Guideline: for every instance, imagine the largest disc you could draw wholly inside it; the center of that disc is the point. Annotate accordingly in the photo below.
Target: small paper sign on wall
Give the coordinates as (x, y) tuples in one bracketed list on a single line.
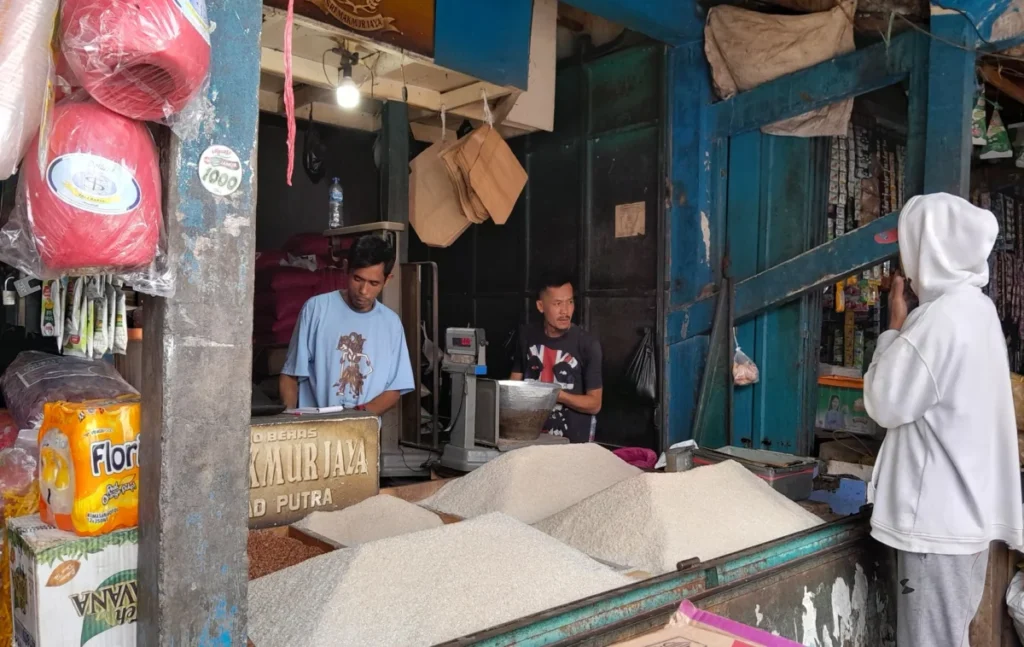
[(630, 219)]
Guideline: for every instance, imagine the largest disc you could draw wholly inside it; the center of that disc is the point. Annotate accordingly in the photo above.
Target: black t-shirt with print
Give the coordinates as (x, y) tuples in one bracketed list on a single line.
[(573, 361)]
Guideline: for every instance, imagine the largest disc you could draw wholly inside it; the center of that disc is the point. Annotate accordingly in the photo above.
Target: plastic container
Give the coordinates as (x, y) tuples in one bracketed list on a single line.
[(789, 475), (336, 206)]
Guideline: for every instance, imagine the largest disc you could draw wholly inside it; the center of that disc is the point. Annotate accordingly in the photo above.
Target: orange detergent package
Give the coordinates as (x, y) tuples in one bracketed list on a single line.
[(89, 465)]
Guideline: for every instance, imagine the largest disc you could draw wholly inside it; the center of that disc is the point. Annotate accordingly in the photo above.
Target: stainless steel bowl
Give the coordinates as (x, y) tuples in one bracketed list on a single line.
[(524, 408)]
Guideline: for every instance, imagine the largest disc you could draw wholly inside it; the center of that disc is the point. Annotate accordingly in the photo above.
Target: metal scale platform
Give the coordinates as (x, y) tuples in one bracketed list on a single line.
[(492, 416)]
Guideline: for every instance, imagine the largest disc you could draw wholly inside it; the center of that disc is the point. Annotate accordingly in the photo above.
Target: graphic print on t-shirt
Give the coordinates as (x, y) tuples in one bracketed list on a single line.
[(353, 360), (558, 367)]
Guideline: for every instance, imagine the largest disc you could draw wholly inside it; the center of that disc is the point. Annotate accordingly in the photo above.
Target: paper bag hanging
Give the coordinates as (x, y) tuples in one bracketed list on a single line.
[(497, 178), (434, 208)]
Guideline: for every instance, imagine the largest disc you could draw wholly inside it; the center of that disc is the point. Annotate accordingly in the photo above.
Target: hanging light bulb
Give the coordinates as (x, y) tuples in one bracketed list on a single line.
[(347, 92)]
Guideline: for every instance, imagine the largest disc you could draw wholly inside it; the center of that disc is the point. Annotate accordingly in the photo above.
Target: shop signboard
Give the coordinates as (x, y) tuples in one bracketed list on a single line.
[(405, 24), (302, 464)]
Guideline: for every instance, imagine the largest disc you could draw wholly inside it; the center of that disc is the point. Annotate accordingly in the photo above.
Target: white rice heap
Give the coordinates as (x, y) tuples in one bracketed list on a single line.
[(654, 521), (369, 520), (533, 482), (422, 588)]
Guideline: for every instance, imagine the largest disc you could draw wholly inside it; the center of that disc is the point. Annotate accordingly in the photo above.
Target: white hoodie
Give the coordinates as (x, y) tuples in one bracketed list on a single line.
[(947, 480)]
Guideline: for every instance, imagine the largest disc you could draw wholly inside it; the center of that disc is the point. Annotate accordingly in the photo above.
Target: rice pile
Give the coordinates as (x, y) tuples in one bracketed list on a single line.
[(422, 588), (375, 518), (532, 483), (654, 521)]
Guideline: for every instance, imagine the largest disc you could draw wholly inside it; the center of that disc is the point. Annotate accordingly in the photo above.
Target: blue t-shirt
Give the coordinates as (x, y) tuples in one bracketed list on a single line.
[(347, 358)]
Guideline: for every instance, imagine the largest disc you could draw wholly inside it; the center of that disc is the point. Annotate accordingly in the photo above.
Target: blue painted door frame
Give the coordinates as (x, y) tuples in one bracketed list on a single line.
[(719, 203)]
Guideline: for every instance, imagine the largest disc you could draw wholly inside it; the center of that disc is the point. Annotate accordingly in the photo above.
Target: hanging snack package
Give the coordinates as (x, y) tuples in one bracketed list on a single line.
[(99, 328), (89, 466), (997, 143), (744, 370), (148, 61), (74, 321), (121, 325), (49, 311), (94, 206), (978, 128)]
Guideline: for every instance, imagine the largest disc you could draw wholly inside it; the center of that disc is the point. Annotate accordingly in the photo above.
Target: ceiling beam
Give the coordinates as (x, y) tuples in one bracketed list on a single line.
[(313, 73), (472, 93), (270, 101)]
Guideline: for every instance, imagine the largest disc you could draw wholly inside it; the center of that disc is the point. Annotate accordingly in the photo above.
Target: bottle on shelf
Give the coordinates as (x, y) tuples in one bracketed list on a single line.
[(336, 205)]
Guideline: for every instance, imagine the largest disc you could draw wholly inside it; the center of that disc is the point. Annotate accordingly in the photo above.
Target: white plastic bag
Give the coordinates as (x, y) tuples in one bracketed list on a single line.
[(744, 370), (26, 32), (1015, 603)]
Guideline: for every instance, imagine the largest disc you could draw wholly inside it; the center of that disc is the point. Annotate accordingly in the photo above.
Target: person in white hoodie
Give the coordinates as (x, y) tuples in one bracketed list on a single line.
[(946, 482)]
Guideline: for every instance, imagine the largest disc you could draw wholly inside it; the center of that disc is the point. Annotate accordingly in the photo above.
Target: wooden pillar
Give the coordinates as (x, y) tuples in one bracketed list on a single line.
[(198, 353)]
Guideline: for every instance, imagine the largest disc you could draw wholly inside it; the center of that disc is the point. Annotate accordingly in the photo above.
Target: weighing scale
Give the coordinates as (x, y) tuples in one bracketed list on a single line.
[(465, 360), (483, 408)]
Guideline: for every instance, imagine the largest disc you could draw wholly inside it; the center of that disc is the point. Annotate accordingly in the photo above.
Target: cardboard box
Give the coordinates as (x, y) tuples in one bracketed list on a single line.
[(70, 591), (693, 627)]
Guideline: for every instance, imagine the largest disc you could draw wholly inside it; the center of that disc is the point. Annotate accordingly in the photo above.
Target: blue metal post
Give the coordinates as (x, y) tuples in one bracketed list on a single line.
[(951, 90), (198, 354)]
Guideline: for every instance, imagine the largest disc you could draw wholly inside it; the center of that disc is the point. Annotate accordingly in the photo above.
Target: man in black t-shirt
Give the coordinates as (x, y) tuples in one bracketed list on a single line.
[(560, 352)]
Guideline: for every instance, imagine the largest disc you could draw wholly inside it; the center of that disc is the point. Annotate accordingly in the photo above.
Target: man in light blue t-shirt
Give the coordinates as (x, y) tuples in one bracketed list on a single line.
[(348, 349)]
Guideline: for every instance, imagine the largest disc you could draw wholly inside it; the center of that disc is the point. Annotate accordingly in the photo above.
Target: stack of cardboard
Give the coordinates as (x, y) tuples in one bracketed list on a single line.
[(454, 185)]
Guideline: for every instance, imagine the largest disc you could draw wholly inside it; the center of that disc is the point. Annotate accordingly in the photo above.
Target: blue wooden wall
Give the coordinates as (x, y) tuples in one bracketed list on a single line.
[(776, 204)]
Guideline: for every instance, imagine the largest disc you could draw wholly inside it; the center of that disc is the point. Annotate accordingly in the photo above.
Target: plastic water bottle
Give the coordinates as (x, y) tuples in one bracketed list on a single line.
[(336, 205)]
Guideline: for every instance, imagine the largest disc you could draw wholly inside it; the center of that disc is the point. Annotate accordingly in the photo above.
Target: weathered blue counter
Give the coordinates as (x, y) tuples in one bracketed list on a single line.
[(834, 582)]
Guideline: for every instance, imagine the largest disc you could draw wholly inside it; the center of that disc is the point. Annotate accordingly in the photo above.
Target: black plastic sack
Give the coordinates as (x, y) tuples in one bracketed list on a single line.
[(643, 369)]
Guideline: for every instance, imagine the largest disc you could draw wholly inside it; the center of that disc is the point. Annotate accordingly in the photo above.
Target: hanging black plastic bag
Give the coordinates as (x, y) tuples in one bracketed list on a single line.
[(643, 371)]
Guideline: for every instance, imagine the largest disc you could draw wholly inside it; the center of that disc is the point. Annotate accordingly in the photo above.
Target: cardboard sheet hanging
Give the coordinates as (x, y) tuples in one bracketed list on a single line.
[(435, 210)]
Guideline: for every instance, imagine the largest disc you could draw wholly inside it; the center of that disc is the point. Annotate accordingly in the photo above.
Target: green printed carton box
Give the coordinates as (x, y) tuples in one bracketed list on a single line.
[(71, 591)]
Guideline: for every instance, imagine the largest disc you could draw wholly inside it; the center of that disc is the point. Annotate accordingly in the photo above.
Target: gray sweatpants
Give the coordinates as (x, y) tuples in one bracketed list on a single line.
[(937, 598)]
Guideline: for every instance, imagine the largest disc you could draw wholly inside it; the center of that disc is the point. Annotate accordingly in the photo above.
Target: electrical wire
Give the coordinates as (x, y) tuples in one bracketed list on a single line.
[(946, 41)]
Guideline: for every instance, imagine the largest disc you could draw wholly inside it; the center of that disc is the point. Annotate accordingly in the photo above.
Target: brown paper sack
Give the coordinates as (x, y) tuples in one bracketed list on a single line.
[(747, 48), (434, 209), (497, 177)]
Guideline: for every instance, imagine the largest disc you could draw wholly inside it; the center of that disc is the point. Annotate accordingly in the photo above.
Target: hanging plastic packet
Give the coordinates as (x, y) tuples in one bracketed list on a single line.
[(79, 327), (88, 329), (121, 325), (48, 310), (99, 327), (997, 145), (95, 287), (72, 308), (59, 300), (744, 370), (978, 128), (111, 308)]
